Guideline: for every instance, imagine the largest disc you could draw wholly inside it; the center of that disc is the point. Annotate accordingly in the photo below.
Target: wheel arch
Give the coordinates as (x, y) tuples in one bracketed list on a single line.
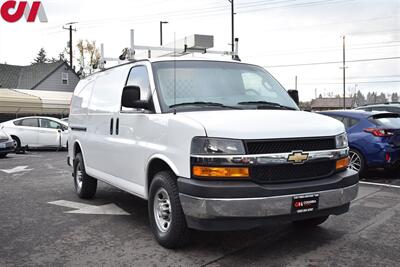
[(77, 148), (156, 164)]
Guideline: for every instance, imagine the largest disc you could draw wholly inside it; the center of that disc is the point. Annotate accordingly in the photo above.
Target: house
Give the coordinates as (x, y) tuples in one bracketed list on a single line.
[(330, 103), (57, 76)]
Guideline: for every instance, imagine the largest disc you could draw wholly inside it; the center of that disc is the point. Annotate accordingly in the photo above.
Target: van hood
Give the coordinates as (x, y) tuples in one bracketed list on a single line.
[(265, 124)]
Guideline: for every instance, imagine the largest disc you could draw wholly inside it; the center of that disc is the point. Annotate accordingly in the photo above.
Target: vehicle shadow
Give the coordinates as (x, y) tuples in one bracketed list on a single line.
[(263, 242), (380, 175)]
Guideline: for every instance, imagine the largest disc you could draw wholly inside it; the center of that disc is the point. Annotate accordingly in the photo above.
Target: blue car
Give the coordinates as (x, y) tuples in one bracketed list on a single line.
[(374, 138)]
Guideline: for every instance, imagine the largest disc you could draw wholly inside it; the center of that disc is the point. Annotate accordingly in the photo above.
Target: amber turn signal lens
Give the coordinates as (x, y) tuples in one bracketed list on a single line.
[(202, 171), (342, 163)]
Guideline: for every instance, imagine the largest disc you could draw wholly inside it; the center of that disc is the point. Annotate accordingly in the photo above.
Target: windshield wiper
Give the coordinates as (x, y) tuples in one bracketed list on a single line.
[(261, 104), (201, 103)]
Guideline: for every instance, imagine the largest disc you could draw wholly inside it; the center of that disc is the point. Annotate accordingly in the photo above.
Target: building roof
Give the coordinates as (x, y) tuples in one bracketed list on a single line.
[(331, 102), (27, 77), (19, 101)]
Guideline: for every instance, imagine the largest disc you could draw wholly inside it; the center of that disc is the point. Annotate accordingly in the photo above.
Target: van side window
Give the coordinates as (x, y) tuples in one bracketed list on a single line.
[(138, 76)]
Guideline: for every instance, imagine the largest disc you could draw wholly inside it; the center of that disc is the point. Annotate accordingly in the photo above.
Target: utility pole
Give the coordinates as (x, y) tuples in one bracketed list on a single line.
[(232, 27), (344, 72), (295, 83), (161, 31), (70, 29)]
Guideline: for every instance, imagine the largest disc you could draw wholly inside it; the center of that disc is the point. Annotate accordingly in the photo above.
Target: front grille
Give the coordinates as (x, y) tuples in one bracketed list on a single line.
[(282, 173), (289, 145)]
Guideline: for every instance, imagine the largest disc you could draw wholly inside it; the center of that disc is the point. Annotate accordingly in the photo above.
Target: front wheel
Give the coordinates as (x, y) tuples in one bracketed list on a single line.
[(167, 219), (85, 186), (3, 155), (311, 222), (17, 143)]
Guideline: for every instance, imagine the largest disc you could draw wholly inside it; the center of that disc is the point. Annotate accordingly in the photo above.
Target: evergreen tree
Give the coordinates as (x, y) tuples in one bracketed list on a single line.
[(41, 57), (360, 98)]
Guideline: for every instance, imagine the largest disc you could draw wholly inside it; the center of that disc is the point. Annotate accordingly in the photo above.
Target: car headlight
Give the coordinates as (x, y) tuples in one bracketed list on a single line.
[(217, 146), (341, 141)]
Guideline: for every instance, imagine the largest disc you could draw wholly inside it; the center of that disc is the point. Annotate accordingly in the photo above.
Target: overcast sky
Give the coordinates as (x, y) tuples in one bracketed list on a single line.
[(272, 33)]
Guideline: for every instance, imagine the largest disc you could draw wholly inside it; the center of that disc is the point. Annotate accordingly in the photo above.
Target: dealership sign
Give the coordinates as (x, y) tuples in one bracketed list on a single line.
[(13, 11)]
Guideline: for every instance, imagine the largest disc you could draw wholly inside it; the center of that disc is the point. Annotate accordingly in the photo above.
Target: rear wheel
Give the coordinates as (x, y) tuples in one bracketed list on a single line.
[(357, 162), (167, 219), (85, 186), (3, 155), (311, 222)]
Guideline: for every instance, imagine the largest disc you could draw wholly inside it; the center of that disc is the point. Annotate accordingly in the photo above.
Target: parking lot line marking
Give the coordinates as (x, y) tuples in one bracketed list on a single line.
[(16, 169), (107, 209), (380, 184)]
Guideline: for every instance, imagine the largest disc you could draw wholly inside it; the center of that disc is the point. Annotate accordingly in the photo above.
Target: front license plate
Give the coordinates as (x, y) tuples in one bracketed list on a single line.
[(2, 145), (305, 203)]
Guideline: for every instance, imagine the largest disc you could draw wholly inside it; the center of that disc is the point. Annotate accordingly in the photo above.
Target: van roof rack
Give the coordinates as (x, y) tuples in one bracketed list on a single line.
[(196, 43)]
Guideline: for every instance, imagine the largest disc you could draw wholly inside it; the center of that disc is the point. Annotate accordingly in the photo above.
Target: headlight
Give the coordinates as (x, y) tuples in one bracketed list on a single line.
[(218, 146), (341, 141)]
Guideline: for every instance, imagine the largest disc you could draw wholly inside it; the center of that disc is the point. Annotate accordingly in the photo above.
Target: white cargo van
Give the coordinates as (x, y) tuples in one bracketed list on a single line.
[(212, 145)]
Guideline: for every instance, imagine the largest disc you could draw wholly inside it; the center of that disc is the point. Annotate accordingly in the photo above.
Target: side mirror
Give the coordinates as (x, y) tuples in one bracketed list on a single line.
[(294, 94), (131, 98)]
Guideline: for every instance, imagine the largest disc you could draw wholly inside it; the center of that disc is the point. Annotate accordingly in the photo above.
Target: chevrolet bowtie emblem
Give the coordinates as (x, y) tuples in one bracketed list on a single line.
[(297, 157)]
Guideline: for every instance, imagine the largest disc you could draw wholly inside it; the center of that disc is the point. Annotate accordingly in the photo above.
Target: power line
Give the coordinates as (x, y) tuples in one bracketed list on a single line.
[(354, 82), (317, 50), (331, 62), (212, 11)]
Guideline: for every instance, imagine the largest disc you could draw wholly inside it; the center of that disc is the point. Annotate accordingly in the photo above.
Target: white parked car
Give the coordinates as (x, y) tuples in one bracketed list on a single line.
[(7, 145), (212, 145), (35, 132)]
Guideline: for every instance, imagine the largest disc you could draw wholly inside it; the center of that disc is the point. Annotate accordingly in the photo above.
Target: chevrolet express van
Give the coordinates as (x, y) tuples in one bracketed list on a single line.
[(211, 144)]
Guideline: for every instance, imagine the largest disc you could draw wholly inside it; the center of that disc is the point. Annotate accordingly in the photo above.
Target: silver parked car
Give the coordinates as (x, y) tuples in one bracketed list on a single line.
[(7, 144)]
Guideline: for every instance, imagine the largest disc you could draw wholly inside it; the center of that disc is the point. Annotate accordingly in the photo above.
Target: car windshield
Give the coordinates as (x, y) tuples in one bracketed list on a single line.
[(203, 85)]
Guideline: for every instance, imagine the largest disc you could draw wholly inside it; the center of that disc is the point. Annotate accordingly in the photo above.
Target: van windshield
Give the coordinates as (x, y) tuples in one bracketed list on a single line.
[(205, 85)]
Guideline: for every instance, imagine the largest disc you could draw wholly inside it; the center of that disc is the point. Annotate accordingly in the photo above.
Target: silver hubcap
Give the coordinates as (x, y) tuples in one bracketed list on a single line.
[(162, 210), (355, 161), (78, 177)]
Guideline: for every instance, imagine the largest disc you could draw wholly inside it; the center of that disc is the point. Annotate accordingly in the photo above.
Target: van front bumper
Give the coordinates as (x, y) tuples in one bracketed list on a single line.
[(223, 205)]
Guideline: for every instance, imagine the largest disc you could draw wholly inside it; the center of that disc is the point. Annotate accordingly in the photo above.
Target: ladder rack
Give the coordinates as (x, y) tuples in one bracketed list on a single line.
[(196, 43)]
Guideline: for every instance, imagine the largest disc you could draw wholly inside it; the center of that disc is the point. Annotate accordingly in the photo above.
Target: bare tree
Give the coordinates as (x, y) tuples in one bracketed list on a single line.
[(395, 97), (89, 56)]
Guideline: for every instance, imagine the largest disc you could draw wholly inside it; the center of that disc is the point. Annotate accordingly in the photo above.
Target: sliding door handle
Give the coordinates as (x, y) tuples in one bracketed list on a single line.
[(112, 126), (117, 127)]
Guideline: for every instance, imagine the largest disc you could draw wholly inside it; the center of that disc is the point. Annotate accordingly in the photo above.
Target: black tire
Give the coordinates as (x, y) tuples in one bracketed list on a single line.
[(85, 186), (3, 155), (177, 233), (310, 222), (357, 153), (17, 143)]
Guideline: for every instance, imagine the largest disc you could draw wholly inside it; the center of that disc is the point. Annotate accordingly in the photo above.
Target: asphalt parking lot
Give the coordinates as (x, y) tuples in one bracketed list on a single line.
[(43, 222)]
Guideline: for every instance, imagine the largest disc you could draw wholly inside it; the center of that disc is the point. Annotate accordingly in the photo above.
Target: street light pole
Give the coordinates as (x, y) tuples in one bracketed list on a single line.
[(232, 26), (161, 31), (344, 73)]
